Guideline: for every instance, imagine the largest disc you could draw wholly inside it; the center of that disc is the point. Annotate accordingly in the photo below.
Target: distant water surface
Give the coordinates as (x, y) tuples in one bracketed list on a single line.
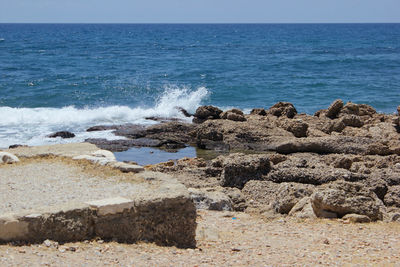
[(71, 76)]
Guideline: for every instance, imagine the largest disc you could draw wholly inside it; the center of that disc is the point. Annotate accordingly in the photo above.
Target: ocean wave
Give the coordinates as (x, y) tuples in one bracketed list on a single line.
[(30, 126)]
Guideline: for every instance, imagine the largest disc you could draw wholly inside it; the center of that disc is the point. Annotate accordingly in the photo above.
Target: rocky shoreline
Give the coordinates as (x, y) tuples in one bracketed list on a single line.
[(341, 162)]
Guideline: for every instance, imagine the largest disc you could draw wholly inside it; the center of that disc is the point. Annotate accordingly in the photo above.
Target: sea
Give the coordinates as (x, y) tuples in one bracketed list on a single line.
[(57, 77)]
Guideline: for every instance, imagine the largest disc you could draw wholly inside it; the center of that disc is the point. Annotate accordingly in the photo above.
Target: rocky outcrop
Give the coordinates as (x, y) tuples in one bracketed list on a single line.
[(237, 169), (233, 115), (204, 113), (343, 198), (210, 199), (334, 109), (392, 197), (283, 109)]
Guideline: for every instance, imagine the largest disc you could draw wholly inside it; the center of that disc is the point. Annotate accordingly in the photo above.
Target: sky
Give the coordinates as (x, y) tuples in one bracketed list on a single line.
[(199, 11)]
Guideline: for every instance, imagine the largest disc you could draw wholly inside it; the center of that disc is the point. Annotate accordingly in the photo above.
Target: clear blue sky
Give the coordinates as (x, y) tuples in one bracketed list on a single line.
[(199, 11)]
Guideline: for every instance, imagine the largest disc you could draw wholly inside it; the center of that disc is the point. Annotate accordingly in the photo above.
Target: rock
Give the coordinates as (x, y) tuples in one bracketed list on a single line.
[(104, 154), (233, 115), (237, 198), (6, 157), (343, 198), (210, 199), (62, 134), (334, 109), (343, 163), (123, 144), (96, 160), (103, 128), (258, 111), (126, 167), (204, 113), (332, 144), (352, 120), (280, 198), (356, 218), (288, 194), (392, 197), (17, 145), (184, 112), (303, 209), (297, 127), (283, 109), (309, 173), (398, 110), (357, 109), (239, 168)]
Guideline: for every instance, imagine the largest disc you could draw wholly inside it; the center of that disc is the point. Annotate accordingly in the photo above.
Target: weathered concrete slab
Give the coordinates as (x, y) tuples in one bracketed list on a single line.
[(65, 150)]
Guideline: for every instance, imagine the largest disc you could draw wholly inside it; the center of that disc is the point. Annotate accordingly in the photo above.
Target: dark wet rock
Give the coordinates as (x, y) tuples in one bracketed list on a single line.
[(343, 198), (392, 197), (103, 128), (204, 113), (398, 110), (258, 111), (334, 109), (62, 134), (123, 144), (239, 168), (233, 115), (17, 145), (131, 131), (162, 119), (184, 112), (283, 109)]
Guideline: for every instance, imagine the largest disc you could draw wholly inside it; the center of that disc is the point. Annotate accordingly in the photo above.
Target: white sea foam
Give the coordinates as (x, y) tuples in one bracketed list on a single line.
[(30, 126)]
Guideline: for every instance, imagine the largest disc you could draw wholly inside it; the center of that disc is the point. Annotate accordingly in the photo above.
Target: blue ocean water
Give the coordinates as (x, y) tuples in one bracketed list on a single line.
[(70, 76)]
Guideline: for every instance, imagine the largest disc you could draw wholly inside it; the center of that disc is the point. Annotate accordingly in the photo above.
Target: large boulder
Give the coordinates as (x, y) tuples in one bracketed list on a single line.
[(343, 198), (288, 194), (334, 109), (204, 113), (239, 168), (283, 109)]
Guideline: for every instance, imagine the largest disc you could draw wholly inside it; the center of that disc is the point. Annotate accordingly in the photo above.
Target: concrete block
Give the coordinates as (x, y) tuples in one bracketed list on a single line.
[(126, 167), (111, 205), (12, 229)]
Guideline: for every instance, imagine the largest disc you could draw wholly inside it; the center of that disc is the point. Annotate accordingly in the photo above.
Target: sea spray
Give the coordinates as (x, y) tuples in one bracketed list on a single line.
[(31, 126)]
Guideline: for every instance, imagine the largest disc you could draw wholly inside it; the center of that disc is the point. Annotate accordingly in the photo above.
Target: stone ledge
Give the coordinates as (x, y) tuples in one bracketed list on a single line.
[(165, 221)]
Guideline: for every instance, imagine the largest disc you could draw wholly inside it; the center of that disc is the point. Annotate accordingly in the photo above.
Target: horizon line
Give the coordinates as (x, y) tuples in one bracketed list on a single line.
[(200, 22)]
